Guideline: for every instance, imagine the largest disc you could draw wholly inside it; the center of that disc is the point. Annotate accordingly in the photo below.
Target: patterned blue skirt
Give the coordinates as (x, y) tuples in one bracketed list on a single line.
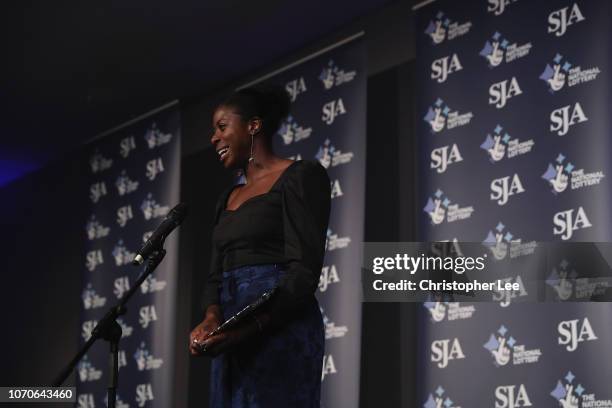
[(277, 369)]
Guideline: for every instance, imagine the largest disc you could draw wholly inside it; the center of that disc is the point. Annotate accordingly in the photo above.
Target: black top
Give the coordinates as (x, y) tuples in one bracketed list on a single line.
[(287, 225)]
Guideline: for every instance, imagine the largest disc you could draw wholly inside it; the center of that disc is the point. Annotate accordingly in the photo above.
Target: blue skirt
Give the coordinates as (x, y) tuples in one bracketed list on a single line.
[(277, 369)]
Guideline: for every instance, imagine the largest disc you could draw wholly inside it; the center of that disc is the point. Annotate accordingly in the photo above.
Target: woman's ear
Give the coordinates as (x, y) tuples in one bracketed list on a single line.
[(255, 125)]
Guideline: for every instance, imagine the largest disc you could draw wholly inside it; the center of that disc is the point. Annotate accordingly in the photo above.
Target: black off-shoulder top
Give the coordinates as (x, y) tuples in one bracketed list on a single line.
[(287, 225)]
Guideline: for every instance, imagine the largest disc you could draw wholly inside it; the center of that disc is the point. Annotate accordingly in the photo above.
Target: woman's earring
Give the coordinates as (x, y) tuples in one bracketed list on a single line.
[(252, 157)]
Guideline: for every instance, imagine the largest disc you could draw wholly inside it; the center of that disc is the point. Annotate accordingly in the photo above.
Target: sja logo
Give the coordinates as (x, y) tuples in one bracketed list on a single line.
[(295, 87), (560, 20), (121, 360), (124, 214), (497, 7), (118, 402), (87, 327), (443, 351), (505, 187), (93, 259), (500, 92), (97, 191), (511, 396), (566, 222), (144, 393), (443, 67), (86, 401), (438, 399), (153, 168), (329, 275), (562, 119), (126, 145), (573, 332), (291, 132), (121, 286), (147, 315), (329, 367), (333, 109), (443, 156), (504, 297), (336, 190)]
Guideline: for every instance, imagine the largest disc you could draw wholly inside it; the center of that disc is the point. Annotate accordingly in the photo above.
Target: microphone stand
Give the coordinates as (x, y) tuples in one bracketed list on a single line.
[(108, 329)]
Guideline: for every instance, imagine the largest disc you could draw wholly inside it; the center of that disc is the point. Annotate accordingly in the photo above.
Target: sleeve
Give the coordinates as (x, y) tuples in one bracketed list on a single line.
[(306, 206), (210, 295)]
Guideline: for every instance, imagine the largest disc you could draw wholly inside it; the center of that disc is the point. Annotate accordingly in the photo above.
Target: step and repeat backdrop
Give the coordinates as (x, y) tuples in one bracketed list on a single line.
[(514, 146), (134, 178), (327, 123)]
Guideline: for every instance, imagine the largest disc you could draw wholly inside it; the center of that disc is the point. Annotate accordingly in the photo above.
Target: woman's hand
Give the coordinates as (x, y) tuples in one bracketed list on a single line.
[(201, 331), (224, 341)]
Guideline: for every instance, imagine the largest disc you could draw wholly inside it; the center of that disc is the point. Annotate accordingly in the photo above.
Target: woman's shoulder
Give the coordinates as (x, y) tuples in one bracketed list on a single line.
[(307, 168)]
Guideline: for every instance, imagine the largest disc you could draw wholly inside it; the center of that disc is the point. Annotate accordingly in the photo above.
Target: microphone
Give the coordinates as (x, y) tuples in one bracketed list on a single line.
[(173, 219)]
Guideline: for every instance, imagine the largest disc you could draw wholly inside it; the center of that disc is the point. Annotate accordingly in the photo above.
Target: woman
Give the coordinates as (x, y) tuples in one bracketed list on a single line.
[(268, 232)]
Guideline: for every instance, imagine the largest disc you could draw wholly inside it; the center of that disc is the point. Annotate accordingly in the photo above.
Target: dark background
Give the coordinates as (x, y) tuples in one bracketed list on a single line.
[(40, 295)]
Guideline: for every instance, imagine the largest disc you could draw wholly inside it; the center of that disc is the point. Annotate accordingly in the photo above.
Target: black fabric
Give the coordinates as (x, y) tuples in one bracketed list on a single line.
[(287, 225)]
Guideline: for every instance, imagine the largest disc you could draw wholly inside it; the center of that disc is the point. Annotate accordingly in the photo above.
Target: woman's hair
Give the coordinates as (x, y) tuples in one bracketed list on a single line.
[(269, 103)]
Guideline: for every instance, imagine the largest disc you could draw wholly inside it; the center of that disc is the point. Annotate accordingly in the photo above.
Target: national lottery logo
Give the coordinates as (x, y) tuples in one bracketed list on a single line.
[(87, 371), (333, 241), (501, 242), (86, 401), (145, 360), (499, 49), (331, 330), (441, 116), (122, 255), (95, 229), (291, 132), (560, 72), (332, 75), (562, 174), (439, 311), (295, 87), (439, 399), (570, 393), (440, 208), (329, 156), (155, 137), (500, 144), (151, 284), (124, 184), (504, 349), (126, 330), (443, 28), (151, 209), (99, 163), (91, 300), (563, 279)]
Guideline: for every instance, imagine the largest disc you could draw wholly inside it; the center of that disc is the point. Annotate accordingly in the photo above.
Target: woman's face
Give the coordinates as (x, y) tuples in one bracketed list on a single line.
[(230, 139)]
